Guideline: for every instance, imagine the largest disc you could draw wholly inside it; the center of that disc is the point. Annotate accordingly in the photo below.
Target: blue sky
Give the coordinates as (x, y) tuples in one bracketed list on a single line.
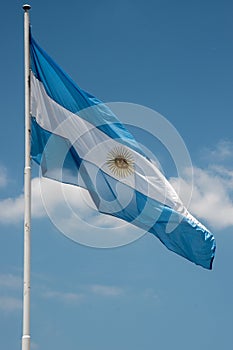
[(173, 57)]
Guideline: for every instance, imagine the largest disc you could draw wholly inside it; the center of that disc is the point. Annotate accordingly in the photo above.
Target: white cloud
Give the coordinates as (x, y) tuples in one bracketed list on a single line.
[(53, 195), (109, 291), (10, 281), (211, 200), (10, 304), (12, 209), (221, 152), (70, 207), (67, 297), (3, 176), (212, 194), (75, 298)]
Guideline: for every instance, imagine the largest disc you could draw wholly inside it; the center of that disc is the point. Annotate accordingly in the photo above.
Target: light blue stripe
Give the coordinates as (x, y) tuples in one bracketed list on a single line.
[(62, 89), (187, 239)]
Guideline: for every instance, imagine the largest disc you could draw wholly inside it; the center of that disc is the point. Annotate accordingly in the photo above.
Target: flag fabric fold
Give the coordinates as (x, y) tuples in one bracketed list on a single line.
[(77, 139)]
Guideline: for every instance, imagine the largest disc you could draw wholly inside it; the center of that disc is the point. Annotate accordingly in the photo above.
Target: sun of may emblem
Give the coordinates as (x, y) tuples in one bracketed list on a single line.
[(120, 161)]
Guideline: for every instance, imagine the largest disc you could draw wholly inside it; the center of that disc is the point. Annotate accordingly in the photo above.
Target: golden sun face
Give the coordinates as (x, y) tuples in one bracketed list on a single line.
[(120, 161)]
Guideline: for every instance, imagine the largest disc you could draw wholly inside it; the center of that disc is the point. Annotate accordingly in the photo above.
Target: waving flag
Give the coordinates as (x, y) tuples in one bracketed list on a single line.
[(92, 149)]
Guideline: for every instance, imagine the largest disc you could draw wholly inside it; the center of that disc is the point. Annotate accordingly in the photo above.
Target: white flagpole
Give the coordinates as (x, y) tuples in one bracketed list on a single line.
[(27, 187)]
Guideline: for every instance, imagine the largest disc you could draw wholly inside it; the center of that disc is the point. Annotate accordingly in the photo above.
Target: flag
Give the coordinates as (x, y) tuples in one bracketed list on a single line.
[(89, 147)]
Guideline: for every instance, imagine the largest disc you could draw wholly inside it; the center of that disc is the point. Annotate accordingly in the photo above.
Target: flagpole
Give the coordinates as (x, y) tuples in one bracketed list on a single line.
[(27, 186)]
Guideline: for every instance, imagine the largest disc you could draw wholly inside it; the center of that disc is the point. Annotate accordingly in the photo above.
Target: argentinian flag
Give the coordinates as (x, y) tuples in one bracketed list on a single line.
[(77, 139)]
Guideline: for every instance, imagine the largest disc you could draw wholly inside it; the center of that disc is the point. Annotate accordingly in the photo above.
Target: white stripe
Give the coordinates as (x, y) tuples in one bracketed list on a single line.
[(94, 146)]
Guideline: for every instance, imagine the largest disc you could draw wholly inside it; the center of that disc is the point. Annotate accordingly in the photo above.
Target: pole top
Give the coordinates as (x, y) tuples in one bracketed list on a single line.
[(26, 7)]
